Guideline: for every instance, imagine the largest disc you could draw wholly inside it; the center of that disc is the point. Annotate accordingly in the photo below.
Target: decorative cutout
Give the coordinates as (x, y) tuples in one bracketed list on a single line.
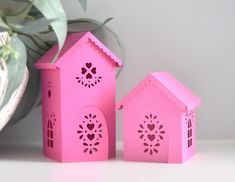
[(89, 77), (50, 119), (90, 132), (151, 132), (49, 89), (189, 118)]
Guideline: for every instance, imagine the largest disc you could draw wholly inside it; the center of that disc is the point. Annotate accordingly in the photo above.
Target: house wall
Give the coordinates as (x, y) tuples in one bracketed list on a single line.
[(76, 96), (151, 96), (51, 111)]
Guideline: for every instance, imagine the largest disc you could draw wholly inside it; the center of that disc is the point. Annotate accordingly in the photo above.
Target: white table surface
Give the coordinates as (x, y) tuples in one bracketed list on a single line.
[(214, 161)]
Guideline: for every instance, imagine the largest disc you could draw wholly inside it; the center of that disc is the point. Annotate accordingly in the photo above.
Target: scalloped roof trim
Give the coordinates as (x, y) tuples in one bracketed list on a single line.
[(169, 87), (73, 41)]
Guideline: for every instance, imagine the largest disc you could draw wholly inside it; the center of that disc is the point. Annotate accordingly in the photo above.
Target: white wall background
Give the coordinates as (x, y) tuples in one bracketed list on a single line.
[(192, 39)]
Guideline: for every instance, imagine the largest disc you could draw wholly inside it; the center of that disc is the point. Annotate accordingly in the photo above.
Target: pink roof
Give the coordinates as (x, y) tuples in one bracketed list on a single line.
[(73, 42), (172, 88)]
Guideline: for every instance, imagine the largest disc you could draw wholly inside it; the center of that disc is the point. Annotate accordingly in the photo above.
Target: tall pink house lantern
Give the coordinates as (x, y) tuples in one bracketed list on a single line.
[(159, 120), (78, 100)]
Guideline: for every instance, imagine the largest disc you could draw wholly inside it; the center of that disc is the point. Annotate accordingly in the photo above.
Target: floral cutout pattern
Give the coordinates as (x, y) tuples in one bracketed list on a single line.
[(89, 77), (151, 133), (189, 118), (50, 122), (90, 132)]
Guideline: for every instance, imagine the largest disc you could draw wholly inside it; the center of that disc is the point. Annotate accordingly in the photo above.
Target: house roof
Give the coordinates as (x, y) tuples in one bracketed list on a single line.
[(180, 95), (73, 42)]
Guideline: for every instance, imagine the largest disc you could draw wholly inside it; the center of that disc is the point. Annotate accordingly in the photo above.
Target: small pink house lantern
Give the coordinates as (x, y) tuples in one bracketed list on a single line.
[(78, 100), (159, 120)]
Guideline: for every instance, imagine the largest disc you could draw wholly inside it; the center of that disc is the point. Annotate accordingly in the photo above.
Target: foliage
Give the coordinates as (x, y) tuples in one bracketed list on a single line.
[(27, 22), (33, 19), (32, 26), (16, 68)]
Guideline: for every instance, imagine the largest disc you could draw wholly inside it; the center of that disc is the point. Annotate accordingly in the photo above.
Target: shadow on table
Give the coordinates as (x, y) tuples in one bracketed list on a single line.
[(30, 153), (119, 154), (27, 153)]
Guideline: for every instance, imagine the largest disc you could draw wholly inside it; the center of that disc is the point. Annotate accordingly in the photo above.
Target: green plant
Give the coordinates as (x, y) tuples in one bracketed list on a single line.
[(26, 25), (32, 27)]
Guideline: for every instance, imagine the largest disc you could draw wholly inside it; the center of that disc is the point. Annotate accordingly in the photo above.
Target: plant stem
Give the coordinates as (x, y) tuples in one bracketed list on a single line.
[(84, 20)]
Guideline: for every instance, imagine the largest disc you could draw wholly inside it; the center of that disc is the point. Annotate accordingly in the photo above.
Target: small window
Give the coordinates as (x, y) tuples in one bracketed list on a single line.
[(50, 129), (50, 133), (189, 119)]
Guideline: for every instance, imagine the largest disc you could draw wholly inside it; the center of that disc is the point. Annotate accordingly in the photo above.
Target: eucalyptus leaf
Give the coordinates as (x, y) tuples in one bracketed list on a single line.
[(9, 108), (96, 25), (34, 12), (20, 15), (83, 4), (34, 27), (53, 10), (3, 25), (9, 7), (31, 94), (15, 12), (16, 68), (103, 24)]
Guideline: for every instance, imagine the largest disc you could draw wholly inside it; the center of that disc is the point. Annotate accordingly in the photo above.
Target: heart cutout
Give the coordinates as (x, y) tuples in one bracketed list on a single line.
[(151, 127), (90, 126), (89, 76), (90, 136), (49, 93), (151, 137), (84, 70), (88, 65), (93, 70)]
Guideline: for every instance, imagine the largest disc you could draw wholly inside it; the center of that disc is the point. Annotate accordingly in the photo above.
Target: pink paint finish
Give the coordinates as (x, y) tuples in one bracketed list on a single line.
[(159, 120), (78, 100)]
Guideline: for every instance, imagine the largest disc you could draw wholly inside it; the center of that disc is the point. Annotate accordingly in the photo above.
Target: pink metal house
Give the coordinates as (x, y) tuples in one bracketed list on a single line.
[(159, 120), (78, 100)]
